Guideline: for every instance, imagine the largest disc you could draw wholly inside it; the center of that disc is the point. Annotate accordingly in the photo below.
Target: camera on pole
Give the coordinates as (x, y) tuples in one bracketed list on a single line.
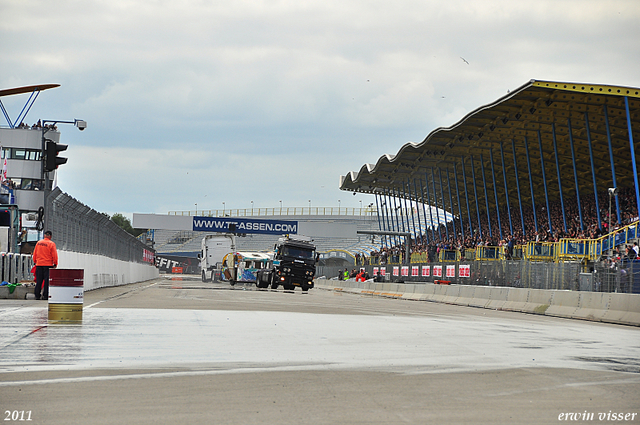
[(52, 160)]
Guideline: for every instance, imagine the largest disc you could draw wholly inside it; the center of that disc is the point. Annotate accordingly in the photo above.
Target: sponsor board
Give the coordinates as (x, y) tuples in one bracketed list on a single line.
[(244, 225), (451, 271)]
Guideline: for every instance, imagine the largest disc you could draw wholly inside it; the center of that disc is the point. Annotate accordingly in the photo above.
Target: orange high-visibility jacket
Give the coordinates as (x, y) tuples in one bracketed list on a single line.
[(45, 253)]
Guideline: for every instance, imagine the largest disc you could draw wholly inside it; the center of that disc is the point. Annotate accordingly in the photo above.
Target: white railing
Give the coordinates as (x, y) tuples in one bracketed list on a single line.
[(280, 211)]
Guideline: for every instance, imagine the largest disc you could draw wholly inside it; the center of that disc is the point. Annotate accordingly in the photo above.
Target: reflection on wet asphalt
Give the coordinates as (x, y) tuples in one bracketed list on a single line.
[(150, 338)]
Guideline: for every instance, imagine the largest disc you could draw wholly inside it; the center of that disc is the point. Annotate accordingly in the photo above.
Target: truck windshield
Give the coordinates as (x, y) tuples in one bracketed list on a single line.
[(291, 251)]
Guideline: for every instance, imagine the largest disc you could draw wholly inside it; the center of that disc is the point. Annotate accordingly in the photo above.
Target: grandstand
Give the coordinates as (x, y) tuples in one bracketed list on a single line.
[(535, 164)]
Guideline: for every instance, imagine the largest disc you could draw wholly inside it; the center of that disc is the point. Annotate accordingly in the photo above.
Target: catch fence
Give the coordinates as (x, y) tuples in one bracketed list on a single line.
[(622, 277), (78, 228)]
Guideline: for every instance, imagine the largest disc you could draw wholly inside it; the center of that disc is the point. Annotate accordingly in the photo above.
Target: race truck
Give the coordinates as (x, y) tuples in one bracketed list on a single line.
[(243, 266), (294, 264)]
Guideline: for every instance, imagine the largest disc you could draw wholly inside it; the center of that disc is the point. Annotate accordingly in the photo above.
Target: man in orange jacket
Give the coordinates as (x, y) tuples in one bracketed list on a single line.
[(45, 257)]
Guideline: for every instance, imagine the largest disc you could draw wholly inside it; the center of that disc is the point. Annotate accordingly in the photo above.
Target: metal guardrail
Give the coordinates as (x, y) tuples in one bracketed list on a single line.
[(599, 247), (15, 268), (541, 251)]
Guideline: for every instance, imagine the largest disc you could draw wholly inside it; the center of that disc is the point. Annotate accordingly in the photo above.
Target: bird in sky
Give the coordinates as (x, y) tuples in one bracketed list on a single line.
[(465, 61)]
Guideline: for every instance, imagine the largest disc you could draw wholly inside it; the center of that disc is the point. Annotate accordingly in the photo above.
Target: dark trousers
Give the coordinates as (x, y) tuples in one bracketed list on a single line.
[(42, 282)]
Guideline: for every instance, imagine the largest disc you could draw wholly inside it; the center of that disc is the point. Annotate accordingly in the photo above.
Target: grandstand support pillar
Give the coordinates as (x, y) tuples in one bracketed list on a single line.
[(435, 198), (403, 207), (410, 210), (426, 185), (506, 189), (495, 193), (544, 180), (575, 173), (398, 207), (396, 194), (415, 192), (533, 199), (466, 194), (455, 175), (388, 212), (384, 199), (475, 193), (446, 228), (424, 212), (555, 151), (633, 154), (613, 168), (453, 217), (593, 168), (380, 223), (515, 167), (486, 197), (394, 212)]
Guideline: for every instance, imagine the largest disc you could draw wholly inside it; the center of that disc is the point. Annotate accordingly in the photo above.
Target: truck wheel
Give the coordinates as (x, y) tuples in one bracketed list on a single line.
[(305, 288), (274, 282), (260, 280)]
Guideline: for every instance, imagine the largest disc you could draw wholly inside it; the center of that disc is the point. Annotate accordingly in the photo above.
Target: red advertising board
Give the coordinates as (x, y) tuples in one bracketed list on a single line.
[(426, 271)]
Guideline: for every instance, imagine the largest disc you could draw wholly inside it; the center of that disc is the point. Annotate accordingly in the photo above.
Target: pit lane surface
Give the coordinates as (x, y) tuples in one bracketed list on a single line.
[(183, 351)]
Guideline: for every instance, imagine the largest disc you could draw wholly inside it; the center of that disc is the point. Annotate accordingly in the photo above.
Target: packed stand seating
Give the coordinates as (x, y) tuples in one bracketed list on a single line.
[(431, 244)]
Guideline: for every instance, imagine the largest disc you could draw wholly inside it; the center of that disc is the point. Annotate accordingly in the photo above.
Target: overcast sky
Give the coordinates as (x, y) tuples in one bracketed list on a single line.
[(211, 102)]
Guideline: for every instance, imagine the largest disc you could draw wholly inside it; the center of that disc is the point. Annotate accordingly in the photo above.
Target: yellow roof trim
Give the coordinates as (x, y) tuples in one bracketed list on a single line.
[(590, 88)]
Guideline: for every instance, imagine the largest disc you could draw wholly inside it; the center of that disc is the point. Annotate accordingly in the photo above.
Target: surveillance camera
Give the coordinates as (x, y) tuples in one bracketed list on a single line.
[(81, 124)]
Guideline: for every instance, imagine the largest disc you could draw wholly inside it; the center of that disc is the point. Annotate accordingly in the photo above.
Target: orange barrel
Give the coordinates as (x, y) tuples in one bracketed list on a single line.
[(66, 295)]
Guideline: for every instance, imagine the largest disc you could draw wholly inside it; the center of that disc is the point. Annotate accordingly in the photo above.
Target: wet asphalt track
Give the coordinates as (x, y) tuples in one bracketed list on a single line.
[(183, 351)]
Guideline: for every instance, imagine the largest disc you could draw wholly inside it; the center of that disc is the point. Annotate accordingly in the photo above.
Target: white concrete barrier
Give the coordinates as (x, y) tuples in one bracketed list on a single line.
[(564, 304), (538, 301), (465, 295), (596, 306), (497, 297), (481, 297), (439, 293), (516, 299), (592, 305), (100, 271), (623, 308)]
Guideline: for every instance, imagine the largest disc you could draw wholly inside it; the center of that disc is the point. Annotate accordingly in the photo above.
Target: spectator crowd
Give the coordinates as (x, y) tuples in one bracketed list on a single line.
[(445, 237)]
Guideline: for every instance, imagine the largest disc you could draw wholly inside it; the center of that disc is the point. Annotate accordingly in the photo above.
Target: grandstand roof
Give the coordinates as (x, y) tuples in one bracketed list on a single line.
[(514, 122), (27, 89)]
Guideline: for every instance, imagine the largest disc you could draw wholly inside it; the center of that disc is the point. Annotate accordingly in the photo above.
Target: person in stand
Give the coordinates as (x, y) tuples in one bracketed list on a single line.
[(45, 257)]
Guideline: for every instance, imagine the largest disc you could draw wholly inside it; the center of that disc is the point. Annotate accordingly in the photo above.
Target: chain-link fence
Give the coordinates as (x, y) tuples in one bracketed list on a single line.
[(623, 277), (78, 228)]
